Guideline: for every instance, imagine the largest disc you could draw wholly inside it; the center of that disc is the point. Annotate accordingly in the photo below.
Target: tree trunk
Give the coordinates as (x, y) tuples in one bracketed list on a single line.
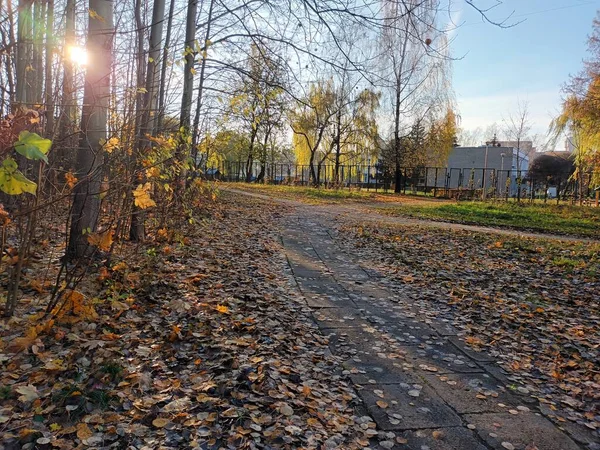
[(48, 68), (68, 111), (96, 95), (188, 75), (398, 173), (313, 173), (163, 72), (201, 81), (250, 160), (338, 146), (39, 11), (8, 61), (140, 69), (24, 53), (263, 159), (137, 232), (186, 96)]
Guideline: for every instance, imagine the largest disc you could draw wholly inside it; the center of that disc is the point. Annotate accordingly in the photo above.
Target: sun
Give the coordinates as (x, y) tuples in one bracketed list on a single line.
[(78, 55)]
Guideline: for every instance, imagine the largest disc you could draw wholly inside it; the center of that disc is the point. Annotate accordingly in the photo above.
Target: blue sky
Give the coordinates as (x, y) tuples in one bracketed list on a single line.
[(529, 62)]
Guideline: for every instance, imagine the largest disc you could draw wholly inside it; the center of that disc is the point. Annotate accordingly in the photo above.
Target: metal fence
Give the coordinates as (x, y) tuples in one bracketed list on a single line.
[(463, 183)]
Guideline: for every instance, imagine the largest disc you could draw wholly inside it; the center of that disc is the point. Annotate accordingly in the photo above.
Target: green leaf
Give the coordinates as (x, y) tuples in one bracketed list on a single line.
[(14, 182), (33, 146)]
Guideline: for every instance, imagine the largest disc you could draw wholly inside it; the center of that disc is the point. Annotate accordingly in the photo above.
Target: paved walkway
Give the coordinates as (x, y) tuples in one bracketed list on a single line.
[(421, 385)]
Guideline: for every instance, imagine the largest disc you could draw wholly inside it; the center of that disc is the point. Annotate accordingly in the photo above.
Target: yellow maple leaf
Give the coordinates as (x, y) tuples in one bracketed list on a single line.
[(101, 240), (141, 197)]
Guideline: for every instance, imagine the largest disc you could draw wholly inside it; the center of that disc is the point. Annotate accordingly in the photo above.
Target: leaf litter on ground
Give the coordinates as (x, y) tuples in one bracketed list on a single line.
[(533, 304), (206, 346)]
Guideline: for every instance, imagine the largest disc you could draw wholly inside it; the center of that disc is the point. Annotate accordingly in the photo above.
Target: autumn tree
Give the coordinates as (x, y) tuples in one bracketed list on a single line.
[(310, 122), (580, 116), (258, 104), (442, 137)]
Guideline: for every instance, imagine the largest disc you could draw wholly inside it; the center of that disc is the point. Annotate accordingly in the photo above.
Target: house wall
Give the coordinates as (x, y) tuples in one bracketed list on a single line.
[(466, 168)]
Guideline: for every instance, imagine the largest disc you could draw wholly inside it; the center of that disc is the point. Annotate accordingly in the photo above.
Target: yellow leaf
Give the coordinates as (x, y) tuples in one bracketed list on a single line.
[(153, 172), (70, 179), (382, 404), (101, 240), (142, 198), (111, 144), (12, 181), (95, 15), (222, 309)]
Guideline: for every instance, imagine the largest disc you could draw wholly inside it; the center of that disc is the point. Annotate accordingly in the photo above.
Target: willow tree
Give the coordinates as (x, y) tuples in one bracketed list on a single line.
[(580, 116), (86, 194), (310, 122)]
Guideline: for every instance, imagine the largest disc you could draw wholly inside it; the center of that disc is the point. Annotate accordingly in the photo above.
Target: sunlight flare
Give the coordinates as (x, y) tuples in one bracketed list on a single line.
[(78, 55)]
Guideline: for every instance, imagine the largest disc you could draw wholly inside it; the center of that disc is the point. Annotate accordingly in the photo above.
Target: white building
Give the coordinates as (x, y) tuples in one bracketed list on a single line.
[(494, 167)]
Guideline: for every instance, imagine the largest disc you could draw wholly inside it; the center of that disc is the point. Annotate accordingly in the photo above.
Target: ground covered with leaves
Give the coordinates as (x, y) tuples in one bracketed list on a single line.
[(195, 342), (533, 304)]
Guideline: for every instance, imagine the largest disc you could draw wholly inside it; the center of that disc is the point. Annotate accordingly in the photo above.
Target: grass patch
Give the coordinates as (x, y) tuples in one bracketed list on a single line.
[(556, 219), (308, 194)]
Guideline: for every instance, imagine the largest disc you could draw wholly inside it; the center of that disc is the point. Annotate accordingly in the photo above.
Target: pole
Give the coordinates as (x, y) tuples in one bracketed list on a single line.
[(485, 163)]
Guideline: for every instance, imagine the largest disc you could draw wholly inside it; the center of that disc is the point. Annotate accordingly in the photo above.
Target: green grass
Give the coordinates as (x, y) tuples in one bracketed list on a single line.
[(556, 219), (308, 194)]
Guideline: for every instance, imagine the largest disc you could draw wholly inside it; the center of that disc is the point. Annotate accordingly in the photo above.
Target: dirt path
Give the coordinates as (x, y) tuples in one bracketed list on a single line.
[(370, 212)]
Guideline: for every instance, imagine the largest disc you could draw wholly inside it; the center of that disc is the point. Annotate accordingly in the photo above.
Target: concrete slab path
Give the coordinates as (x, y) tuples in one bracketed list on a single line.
[(423, 387)]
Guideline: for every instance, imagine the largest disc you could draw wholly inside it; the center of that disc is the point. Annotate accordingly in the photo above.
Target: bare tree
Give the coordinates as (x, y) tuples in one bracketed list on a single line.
[(517, 128)]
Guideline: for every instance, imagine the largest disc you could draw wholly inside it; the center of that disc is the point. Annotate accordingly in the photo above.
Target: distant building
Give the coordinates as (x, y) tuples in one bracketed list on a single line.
[(494, 167), (498, 158)]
